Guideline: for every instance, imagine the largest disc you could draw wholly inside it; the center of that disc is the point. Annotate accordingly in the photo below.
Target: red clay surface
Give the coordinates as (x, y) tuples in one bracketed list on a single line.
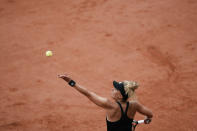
[(96, 41)]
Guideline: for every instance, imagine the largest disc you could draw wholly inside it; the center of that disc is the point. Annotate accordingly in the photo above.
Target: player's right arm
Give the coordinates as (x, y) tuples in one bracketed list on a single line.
[(144, 110)]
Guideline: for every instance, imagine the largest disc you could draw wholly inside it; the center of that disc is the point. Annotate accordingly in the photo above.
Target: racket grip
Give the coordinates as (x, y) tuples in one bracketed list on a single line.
[(140, 121)]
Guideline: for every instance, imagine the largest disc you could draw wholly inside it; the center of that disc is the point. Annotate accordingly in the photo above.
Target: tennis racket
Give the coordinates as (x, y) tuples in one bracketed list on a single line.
[(135, 123)]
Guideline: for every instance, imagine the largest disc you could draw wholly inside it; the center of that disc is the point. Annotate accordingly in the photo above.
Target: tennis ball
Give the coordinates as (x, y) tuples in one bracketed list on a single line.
[(49, 53)]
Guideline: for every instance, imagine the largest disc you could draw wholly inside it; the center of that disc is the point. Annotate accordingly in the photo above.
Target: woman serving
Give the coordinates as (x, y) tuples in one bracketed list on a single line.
[(120, 112)]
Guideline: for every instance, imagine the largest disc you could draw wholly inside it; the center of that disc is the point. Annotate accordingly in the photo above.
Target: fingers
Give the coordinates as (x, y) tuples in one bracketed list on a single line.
[(62, 76), (65, 77)]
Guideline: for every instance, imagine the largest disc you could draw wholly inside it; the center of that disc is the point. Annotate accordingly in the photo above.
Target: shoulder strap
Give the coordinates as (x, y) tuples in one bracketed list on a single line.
[(127, 108), (124, 113), (121, 108)]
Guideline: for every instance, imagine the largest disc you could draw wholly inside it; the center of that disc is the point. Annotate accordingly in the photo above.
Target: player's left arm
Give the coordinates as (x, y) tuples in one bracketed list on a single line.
[(98, 100)]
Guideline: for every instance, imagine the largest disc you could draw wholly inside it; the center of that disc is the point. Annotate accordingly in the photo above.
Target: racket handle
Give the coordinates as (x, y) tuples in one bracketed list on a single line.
[(147, 121), (140, 121)]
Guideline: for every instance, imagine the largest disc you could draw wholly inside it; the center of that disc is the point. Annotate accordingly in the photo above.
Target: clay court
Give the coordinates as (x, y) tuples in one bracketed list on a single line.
[(153, 42)]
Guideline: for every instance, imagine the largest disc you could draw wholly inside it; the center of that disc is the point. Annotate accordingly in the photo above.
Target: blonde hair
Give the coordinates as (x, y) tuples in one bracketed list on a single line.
[(130, 87)]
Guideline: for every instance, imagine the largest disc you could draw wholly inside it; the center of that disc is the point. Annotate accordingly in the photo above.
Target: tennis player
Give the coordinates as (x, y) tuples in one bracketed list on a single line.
[(121, 111)]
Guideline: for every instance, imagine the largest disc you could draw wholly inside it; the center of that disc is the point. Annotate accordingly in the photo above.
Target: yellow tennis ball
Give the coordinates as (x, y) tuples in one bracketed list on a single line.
[(49, 53)]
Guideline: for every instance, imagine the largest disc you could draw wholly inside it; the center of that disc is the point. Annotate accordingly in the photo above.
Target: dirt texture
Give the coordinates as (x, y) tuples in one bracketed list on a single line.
[(153, 42)]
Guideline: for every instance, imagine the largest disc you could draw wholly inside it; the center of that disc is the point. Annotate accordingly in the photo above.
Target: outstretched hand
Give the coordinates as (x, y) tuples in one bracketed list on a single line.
[(65, 77)]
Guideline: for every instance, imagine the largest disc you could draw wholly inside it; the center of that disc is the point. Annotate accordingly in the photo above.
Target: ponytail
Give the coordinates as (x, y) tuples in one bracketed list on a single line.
[(130, 87)]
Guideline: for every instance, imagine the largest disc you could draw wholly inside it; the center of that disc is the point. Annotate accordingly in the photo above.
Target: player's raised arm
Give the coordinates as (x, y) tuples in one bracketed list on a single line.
[(98, 100)]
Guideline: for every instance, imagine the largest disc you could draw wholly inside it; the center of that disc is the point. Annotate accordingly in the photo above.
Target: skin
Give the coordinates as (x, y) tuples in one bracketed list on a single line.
[(112, 109)]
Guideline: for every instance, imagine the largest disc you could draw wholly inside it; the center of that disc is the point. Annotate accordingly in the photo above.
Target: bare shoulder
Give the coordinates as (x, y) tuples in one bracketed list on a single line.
[(134, 104), (112, 103), (112, 106)]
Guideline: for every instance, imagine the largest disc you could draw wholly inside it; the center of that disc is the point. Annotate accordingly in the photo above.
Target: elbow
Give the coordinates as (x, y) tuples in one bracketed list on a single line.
[(150, 115)]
